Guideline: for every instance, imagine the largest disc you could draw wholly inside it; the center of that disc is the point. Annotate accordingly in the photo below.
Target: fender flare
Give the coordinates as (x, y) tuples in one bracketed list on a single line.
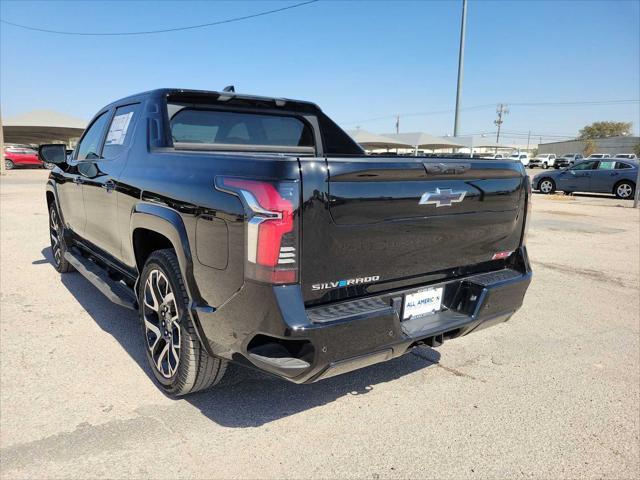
[(168, 222), (51, 188)]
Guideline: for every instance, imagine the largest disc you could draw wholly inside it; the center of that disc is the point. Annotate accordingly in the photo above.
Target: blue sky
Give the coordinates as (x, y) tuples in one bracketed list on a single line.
[(358, 60)]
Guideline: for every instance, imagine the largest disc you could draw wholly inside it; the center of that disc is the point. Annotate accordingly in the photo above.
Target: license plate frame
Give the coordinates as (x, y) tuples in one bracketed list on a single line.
[(423, 302)]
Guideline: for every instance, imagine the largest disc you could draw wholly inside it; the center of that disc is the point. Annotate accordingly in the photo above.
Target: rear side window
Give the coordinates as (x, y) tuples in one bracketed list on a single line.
[(606, 165), (622, 165), (237, 128), (120, 130)]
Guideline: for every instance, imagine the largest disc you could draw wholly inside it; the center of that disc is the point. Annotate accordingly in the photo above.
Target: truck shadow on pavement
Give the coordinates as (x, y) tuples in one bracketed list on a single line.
[(244, 398)]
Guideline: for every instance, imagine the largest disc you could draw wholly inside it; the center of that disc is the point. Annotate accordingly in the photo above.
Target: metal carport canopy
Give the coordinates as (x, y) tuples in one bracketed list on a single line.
[(424, 140), (42, 126), (372, 141)]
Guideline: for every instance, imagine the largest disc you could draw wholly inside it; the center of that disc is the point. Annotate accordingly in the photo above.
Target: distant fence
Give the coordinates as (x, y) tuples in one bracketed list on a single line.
[(610, 145)]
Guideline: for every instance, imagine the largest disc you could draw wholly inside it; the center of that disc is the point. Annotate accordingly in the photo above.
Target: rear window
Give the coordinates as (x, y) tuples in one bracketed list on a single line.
[(189, 125), (622, 165)]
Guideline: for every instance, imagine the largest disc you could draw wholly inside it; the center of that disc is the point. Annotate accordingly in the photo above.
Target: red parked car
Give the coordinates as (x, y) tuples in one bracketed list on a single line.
[(19, 156)]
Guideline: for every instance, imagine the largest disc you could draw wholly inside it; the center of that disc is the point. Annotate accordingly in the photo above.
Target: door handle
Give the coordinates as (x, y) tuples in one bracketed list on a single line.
[(78, 180), (109, 185)]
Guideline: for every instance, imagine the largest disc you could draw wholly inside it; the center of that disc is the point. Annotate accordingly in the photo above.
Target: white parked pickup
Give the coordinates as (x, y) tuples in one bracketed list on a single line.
[(544, 160)]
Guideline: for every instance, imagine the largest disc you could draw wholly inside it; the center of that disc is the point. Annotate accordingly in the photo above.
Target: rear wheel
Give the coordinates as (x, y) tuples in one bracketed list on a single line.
[(177, 359), (624, 190), (545, 165), (547, 185), (58, 245), (8, 164)]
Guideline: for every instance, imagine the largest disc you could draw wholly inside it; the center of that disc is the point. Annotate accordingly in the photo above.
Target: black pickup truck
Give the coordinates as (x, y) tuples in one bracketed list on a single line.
[(254, 230)]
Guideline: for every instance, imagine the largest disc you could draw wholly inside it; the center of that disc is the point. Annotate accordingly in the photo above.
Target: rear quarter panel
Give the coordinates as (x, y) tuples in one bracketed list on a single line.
[(214, 221)]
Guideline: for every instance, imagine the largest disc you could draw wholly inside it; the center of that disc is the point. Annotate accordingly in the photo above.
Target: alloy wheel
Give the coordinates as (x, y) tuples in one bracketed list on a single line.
[(624, 190), (161, 324), (8, 164), (55, 234), (546, 186)]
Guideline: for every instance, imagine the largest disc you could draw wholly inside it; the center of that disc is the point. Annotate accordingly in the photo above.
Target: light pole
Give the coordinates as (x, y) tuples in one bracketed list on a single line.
[(463, 28)]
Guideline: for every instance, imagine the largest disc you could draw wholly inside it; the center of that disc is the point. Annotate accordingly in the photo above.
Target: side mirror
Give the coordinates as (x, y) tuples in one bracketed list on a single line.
[(55, 153)]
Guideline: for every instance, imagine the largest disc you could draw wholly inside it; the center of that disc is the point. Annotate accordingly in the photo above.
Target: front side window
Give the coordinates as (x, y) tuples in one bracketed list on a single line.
[(585, 166), (89, 146), (222, 127)]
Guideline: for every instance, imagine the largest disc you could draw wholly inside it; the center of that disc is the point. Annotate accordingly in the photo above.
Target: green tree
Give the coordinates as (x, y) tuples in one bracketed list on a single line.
[(589, 147), (605, 129)]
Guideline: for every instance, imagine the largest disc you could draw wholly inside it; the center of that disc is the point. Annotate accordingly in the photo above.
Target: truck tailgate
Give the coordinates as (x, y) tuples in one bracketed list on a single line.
[(392, 221)]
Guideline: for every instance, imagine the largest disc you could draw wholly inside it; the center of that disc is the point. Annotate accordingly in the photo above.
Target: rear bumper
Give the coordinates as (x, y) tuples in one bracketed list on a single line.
[(268, 327)]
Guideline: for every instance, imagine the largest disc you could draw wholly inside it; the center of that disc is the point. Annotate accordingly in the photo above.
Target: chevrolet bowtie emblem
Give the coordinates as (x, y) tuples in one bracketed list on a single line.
[(441, 198)]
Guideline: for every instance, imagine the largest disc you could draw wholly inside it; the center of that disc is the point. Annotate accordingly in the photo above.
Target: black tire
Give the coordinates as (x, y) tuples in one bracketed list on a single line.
[(58, 244), (49, 166), (8, 164), (624, 190), (193, 368), (546, 185), (532, 166), (545, 165)]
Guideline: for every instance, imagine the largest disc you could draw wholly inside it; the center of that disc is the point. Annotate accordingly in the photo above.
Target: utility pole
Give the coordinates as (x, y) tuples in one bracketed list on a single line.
[(528, 140), (502, 110), (463, 28), (397, 123)]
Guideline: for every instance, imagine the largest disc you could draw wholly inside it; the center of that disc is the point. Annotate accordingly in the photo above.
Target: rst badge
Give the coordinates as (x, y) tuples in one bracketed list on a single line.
[(345, 283), (442, 198)]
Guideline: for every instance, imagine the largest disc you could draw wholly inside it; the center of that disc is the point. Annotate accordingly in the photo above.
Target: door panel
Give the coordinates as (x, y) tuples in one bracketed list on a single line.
[(100, 186), (578, 177), (603, 179), (101, 204), (70, 184), (69, 187)]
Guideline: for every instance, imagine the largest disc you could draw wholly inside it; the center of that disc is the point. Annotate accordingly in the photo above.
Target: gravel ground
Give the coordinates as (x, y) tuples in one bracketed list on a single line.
[(552, 393)]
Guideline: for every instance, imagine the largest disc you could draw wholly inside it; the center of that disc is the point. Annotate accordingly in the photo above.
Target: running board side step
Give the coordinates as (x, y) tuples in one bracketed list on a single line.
[(114, 291)]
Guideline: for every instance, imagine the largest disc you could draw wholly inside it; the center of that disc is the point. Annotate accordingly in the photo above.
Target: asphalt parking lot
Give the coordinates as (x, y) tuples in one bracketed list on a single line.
[(555, 392)]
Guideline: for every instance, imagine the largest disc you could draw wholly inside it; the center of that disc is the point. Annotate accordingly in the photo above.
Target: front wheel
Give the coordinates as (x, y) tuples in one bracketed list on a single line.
[(624, 190), (545, 165), (547, 186), (8, 164), (58, 244), (177, 359)]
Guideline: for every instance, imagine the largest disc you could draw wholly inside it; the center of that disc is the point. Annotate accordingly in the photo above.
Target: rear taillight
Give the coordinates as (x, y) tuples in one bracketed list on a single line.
[(272, 227)]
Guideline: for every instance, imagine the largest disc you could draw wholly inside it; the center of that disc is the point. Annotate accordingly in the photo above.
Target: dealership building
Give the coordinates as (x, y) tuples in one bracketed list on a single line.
[(612, 145)]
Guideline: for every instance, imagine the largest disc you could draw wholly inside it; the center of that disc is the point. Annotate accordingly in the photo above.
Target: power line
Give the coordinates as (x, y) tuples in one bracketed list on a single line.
[(166, 30), (492, 105)]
